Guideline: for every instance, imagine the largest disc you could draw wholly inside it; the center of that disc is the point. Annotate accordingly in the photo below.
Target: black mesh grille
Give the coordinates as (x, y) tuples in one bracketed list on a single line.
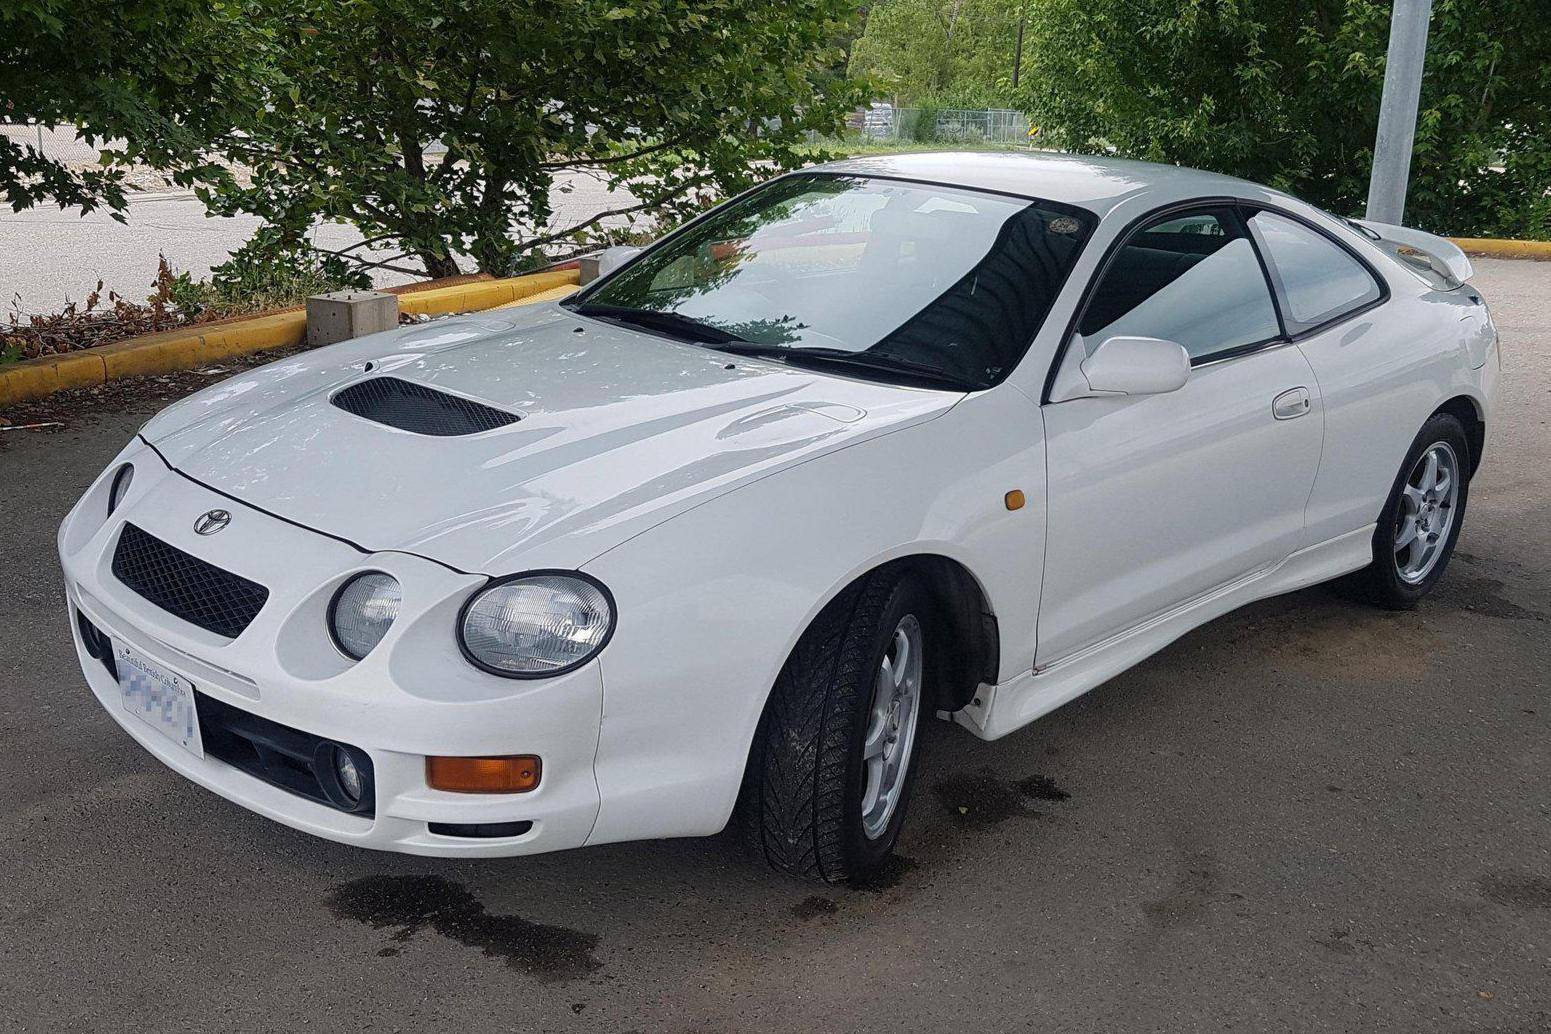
[(186, 586), (414, 407)]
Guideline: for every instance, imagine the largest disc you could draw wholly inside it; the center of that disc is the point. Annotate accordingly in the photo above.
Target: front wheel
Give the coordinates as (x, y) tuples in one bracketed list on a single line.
[(1422, 518), (835, 755)]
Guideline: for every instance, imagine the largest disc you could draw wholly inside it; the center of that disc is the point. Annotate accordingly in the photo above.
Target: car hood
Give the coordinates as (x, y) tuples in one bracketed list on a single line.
[(619, 430)]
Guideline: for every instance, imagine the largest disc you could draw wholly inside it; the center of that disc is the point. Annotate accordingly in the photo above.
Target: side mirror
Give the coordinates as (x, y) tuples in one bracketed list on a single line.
[(612, 258), (606, 261), (1137, 366)]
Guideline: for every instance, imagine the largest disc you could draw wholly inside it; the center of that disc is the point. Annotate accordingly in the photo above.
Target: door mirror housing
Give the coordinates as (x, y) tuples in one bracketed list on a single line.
[(603, 263), (1136, 366), (613, 258)]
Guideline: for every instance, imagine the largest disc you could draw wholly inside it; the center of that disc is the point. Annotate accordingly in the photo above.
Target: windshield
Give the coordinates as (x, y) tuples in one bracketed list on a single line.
[(877, 276)]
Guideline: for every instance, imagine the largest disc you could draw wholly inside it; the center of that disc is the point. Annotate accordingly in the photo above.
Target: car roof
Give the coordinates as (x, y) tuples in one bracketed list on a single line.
[(1098, 184)]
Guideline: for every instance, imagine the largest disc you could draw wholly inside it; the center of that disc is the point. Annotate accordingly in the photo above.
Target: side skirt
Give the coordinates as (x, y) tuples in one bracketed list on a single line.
[(1000, 709)]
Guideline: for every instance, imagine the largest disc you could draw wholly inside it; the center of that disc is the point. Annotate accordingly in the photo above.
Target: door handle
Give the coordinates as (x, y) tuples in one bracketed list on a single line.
[(1291, 404)]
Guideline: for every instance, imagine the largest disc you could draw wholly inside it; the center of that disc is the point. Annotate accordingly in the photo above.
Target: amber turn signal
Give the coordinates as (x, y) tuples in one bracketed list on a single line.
[(516, 773), (1014, 499)]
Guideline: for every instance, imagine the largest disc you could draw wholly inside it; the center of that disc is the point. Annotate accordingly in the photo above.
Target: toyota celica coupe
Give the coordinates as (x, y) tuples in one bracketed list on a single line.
[(942, 435)]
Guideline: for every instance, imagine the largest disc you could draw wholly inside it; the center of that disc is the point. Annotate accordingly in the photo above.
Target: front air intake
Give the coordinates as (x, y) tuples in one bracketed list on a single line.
[(414, 407), (184, 585)]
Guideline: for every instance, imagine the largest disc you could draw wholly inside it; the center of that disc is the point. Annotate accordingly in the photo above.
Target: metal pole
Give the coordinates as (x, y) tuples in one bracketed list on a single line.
[(1017, 61), (1397, 110)]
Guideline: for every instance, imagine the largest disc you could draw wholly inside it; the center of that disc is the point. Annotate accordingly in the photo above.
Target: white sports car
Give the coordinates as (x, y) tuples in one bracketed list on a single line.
[(958, 435)]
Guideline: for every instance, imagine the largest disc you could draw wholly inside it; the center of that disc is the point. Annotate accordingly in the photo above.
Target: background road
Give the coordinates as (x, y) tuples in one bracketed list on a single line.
[(1307, 816), (48, 255)]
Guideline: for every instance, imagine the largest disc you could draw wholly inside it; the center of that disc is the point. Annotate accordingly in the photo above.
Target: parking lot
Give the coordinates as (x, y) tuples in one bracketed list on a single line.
[(1306, 816)]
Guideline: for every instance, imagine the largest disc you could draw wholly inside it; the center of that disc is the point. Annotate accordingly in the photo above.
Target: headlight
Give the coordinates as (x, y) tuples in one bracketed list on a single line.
[(120, 487), (362, 612), (535, 625)]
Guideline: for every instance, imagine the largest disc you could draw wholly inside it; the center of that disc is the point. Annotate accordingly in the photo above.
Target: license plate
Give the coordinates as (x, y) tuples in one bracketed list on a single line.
[(158, 698)]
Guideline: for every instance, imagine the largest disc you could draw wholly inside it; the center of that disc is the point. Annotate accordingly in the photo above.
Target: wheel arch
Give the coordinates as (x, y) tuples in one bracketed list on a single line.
[(966, 641), (1468, 412)]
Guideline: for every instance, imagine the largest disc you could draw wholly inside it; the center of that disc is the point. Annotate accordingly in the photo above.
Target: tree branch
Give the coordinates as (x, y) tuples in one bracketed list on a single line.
[(613, 159), (384, 264), (679, 191), (342, 252)]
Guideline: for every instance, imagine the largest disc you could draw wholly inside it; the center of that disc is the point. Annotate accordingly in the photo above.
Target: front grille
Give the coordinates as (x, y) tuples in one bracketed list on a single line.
[(414, 407), (184, 585), (295, 761)]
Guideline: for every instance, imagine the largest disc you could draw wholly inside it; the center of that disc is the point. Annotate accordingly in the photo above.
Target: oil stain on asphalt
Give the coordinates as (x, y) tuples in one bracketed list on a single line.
[(1516, 890), (1483, 596), (1195, 889), (415, 903), (979, 800), (886, 877), (812, 908)]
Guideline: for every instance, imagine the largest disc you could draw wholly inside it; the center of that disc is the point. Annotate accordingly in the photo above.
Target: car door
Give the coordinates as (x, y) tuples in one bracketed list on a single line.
[(1369, 361), (1156, 500)]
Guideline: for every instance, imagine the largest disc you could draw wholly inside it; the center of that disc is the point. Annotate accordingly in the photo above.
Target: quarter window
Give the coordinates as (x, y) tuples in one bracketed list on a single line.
[(1318, 279), (1193, 279)]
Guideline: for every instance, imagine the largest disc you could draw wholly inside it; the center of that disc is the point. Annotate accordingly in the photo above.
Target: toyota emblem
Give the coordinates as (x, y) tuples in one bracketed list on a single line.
[(211, 521)]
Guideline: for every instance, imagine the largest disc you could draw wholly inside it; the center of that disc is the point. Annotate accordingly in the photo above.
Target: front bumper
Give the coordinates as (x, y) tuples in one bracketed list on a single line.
[(413, 696)]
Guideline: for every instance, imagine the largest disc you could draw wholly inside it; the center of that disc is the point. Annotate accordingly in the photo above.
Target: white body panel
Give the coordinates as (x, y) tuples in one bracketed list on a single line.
[(1156, 499), (726, 612), (724, 502)]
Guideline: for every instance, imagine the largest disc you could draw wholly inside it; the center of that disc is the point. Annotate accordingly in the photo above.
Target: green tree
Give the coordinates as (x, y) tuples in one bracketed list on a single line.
[(1287, 92), (439, 126), (962, 51), (120, 70)]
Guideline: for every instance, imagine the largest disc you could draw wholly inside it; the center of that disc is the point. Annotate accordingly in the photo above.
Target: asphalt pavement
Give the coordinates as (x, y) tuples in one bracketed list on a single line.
[(1306, 816)]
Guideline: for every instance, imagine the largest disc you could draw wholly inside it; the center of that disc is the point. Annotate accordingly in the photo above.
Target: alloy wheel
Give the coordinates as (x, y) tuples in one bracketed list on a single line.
[(891, 726), (1429, 501)]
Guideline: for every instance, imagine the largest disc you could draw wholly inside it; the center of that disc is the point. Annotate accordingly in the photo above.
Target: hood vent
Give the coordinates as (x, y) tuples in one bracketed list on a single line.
[(414, 407)]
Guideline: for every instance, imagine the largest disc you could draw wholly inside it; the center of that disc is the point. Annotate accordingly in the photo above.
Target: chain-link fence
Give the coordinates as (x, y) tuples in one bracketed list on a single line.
[(946, 125)]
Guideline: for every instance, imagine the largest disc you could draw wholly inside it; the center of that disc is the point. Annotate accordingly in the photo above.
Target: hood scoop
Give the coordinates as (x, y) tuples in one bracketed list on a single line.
[(416, 408)]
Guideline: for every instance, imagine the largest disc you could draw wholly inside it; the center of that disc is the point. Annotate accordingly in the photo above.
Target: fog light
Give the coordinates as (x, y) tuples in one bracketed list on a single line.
[(344, 775), (349, 775), (516, 773)]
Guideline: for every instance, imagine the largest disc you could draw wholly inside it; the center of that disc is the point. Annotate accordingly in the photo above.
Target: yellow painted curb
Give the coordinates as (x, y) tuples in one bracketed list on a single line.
[(484, 294), (1493, 248), (554, 294), (33, 378), (188, 347), (183, 348)]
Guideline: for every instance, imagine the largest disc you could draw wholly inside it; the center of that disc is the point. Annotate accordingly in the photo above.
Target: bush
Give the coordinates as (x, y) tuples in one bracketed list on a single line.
[(261, 275), (95, 321), (1286, 92), (266, 273), (920, 125)]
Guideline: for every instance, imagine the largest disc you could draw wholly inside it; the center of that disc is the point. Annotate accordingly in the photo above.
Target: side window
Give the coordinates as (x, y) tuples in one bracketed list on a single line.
[(1192, 279), (1318, 279)]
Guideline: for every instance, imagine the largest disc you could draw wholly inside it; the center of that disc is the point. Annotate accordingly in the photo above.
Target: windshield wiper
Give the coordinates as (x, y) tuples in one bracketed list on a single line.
[(876, 361), (674, 324)]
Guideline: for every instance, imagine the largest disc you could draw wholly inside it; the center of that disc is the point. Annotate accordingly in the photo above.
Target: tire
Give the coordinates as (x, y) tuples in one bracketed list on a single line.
[(804, 789), (1392, 581)]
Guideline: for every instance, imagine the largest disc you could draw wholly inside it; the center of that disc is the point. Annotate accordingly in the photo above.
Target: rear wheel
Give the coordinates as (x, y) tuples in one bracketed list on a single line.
[(1421, 520), (835, 755)]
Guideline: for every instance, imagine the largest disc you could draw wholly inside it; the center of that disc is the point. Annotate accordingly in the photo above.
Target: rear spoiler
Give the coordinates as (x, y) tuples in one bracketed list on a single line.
[(1436, 259)]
